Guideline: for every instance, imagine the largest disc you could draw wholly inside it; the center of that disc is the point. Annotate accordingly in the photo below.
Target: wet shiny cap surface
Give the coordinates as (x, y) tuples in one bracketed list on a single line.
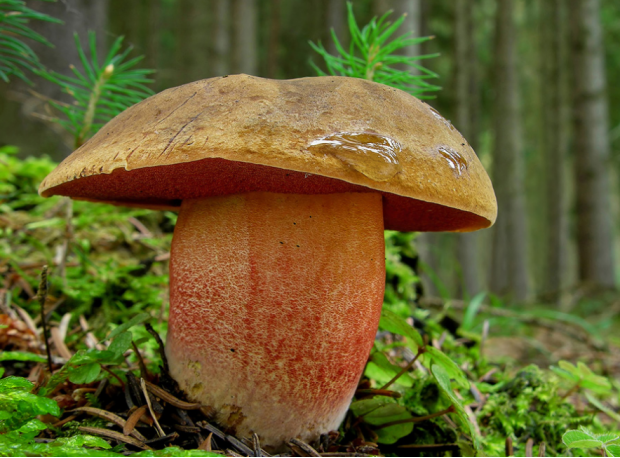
[(320, 135)]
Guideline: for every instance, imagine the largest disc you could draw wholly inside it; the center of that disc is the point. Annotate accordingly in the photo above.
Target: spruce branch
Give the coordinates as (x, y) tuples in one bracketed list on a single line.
[(15, 55), (372, 56), (100, 91)]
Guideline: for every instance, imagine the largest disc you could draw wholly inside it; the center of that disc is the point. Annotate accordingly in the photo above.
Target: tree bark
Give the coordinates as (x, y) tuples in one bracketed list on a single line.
[(221, 37), (245, 36), (412, 23), (466, 90), (554, 138), (509, 275), (273, 50), (591, 143), (336, 19)]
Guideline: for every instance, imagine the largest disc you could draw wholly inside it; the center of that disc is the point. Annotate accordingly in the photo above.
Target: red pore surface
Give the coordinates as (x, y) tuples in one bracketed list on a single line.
[(275, 302), (169, 185)]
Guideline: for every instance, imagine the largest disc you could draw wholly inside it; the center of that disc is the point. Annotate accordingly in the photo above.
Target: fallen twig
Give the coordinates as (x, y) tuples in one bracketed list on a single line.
[(256, 444), (148, 402), (111, 417), (133, 420), (115, 435), (170, 399), (305, 447), (163, 439)]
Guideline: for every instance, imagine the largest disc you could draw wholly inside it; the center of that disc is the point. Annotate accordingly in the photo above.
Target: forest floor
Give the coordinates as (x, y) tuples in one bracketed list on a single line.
[(516, 378)]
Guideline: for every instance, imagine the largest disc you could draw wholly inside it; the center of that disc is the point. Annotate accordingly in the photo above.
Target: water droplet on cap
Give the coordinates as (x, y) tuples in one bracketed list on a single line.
[(456, 162), (373, 155)]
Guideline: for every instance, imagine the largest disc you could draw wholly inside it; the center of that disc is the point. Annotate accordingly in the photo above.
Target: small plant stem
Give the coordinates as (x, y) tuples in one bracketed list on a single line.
[(572, 390), (120, 380), (416, 419), (529, 447), (160, 343), (143, 372), (89, 116), (508, 446), (370, 72), (42, 296), (421, 350), (542, 449), (373, 392)]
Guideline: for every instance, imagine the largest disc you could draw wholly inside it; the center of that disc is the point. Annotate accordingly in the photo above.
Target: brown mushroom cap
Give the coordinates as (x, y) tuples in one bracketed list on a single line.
[(320, 135)]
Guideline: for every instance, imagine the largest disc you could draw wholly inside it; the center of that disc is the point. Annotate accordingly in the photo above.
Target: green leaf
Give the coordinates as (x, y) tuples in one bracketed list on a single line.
[(140, 318), (387, 414), (379, 368), (584, 376), (21, 356), (443, 380), (46, 405), (592, 381), (121, 343), (612, 450), (85, 374), (365, 406), (84, 440), (393, 323), (600, 406), (452, 370), (12, 383), (32, 426), (607, 437), (380, 410), (580, 439), (565, 374), (472, 310), (91, 356)]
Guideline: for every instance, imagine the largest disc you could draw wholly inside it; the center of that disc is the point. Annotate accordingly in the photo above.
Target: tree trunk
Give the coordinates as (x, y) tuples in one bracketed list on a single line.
[(221, 38), (466, 86), (192, 49), (273, 50), (555, 144), (412, 23), (245, 36), (509, 275), (335, 19), (591, 143)]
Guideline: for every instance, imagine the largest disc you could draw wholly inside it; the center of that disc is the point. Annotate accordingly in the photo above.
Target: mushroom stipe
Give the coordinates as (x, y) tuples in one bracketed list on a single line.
[(302, 321)]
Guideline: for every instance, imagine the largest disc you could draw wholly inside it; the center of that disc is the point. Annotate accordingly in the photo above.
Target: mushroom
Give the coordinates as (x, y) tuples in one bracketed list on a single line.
[(277, 265)]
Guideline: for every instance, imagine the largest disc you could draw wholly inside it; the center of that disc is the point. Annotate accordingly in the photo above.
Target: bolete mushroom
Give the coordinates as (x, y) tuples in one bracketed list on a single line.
[(277, 264)]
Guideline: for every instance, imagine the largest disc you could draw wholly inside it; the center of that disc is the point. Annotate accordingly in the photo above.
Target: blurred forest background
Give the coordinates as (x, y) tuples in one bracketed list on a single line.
[(530, 84)]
